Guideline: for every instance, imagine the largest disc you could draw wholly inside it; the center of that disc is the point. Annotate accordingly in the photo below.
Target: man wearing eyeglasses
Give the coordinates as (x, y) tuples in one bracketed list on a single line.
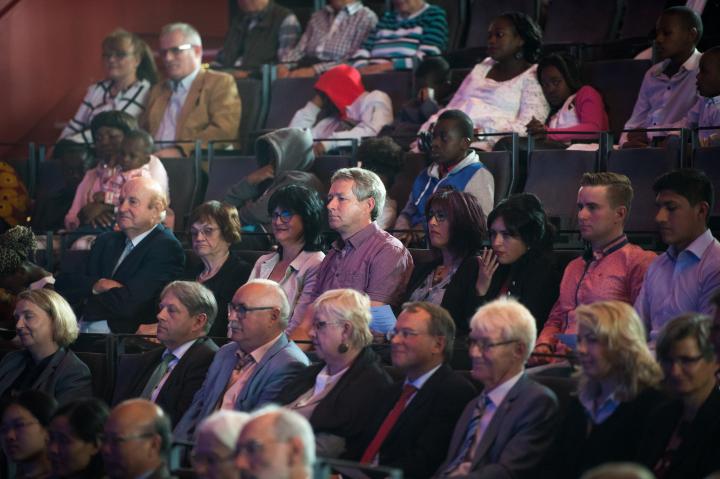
[(251, 370), (193, 103), (276, 443), (506, 430), (136, 441), (415, 421)]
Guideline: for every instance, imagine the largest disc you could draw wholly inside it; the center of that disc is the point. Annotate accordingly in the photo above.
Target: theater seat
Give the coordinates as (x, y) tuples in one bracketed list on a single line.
[(225, 171), (413, 164), (483, 12), (184, 180), (642, 166), (252, 97), (325, 166), (503, 168), (581, 21), (397, 84), (554, 176), (287, 95)]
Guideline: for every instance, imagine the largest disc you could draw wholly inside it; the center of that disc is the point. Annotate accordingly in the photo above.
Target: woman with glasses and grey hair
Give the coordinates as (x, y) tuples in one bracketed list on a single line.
[(297, 217), (338, 394), (681, 438)]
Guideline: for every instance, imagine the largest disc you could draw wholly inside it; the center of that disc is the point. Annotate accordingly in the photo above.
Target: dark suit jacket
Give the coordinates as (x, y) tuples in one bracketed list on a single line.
[(211, 110), (347, 408), (177, 393), (614, 440), (66, 378), (417, 443), (152, 264), (277, 367), (516, 438), (699, 452)]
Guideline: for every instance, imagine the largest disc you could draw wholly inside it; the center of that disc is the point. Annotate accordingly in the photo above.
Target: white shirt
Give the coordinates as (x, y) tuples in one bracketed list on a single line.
[(420, 381), (178, 352), (706, 112), (168, 125), (664, 102)]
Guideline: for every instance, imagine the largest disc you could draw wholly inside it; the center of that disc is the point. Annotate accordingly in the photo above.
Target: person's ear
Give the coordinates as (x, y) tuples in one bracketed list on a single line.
[(199, 322), (703, 208)]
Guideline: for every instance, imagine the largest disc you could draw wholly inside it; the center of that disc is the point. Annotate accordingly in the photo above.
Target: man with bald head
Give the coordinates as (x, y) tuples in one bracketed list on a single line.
[(117, 290), (137, 441), (259, 361)]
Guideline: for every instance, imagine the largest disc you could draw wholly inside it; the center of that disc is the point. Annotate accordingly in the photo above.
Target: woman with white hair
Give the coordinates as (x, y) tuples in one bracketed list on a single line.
[(213, 455), (338, 394), (45, 325), (617, 388)]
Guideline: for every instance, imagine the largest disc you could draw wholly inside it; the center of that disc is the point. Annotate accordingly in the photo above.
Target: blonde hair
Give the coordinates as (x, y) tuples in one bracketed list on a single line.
[(511, 318), (65, 326), (349, 306), (618, 326)]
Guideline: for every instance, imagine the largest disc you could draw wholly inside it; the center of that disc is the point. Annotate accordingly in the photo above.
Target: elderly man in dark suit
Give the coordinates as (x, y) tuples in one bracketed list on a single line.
[(251, 370), (126, 269), (416, 419), (506, 430), (171, 376)]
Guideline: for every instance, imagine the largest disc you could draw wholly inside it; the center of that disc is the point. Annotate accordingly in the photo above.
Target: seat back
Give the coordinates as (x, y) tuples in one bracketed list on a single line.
[(456, 11), (413, 164), (287, 95), (642, 166), (184, 179), (482, 13), (325, 166), (502, 167), (619, 82), (554, 176), (251, 95), (708, 160), (102, 372), (225, 171), (581, 21), (639, 17), (397, 84)]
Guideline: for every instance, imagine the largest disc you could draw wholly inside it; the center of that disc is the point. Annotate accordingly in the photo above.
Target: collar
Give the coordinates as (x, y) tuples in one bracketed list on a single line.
[(498, 394), (604, 411), (696, 248), (350, 9), (358, 238), (184, 83), (180, 351), (136, 240), (420, 381), (691, 63), (262, 350), (611, 247), (470, 158), (712, 100), (414, 15)]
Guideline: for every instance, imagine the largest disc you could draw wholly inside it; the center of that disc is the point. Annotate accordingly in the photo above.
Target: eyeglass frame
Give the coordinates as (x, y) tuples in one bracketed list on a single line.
[(119, 54), (440, 216), (210, 463), (114, 440), (175, 51), (404, 333), (487, 346), (206, 232), (683, 361), (241, 310), (16, 426), (285, 216)]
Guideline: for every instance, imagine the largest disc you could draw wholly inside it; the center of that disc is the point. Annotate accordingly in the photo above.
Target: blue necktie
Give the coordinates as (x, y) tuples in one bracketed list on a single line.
[(470, 432)]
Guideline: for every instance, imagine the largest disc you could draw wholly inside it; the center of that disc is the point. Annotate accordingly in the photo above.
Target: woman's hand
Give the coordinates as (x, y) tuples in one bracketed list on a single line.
[(487, 265), (536, 129), (98, 215)]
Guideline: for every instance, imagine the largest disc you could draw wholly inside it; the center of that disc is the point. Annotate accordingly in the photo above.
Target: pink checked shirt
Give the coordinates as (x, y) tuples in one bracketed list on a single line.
[(615, 273)]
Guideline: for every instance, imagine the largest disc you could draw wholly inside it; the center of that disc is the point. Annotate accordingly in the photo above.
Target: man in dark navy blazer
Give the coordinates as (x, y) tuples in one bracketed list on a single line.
[(170, 376), (422, 344), (127, 269)]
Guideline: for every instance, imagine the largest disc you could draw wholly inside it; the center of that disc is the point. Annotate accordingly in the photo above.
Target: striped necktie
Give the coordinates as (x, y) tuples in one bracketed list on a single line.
[(464, 454)]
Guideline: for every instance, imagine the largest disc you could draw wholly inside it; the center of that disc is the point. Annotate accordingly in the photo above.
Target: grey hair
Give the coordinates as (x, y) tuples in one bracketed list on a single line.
[(366, 185), (350, 306), (689, 325), (189, 32), (196, 298), (225, 425), (280, 300), (439, 324), (624, 470), (289, 424), (511, 318)]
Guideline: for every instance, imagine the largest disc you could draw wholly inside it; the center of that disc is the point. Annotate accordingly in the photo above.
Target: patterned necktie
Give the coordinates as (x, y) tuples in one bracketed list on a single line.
[(388, 424), (463, 454), (157, 375), (244, 359)]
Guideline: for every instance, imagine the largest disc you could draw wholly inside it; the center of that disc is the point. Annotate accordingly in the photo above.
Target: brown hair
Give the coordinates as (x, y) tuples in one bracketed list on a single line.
[(226, 216), (146, 70), (619, 188)]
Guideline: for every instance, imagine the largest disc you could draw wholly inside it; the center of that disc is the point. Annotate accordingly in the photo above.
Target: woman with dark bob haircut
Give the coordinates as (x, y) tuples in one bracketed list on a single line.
[(681, 439), (502, 93), (521, 263), (24, 420), (297, 217), (456, 229), (74, 446), (214, 227)]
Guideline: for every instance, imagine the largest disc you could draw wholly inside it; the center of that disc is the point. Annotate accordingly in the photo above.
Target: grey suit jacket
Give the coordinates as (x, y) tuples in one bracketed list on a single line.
[(66, 377), (517, 437), (277, 367)]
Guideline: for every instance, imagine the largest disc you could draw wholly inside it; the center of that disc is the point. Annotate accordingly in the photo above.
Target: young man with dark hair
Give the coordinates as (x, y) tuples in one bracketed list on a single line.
[(684, 278)]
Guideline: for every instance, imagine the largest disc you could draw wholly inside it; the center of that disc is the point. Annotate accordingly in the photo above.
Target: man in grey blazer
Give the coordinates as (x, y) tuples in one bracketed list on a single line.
[(251, 370), (504, 432)]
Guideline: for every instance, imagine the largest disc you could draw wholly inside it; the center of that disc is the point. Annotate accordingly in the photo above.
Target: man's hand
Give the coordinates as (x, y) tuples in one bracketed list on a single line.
[(426, 93), (318, 148), (376, 68), (636, 139), (412, 235), (282, 71), (147, 329), (540, 360), (240, 74), (258, 176), (318, 100), (103, 284)]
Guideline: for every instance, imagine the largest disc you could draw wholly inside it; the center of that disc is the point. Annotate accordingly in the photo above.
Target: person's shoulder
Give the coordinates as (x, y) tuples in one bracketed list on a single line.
[(388, 240), (636, 254), (434, 11), (587, 91), (215, 77), (290, 352), (70, 361), (532, 389), (378, 96)]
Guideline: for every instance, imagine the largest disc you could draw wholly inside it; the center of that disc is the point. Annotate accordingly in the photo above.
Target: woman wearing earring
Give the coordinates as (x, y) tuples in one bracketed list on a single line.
[(337, 394), (502, 93)]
